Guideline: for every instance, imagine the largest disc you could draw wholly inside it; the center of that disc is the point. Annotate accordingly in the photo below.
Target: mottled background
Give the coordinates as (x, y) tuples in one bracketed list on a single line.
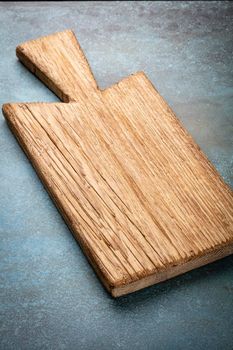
[(50, 296)]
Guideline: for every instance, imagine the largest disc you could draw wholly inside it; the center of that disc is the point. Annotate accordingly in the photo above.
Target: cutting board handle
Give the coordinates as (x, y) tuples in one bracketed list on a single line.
[(59, 62)]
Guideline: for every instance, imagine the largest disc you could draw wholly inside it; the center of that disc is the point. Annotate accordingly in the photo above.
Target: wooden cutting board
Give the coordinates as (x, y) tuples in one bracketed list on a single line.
[(137, 192)]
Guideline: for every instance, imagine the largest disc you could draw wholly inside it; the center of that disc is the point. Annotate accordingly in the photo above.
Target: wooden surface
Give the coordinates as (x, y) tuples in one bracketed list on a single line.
[(140, 197)]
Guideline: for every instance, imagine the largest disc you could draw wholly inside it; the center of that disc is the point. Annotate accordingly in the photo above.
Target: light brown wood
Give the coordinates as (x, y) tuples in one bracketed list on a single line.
[(137, 192)]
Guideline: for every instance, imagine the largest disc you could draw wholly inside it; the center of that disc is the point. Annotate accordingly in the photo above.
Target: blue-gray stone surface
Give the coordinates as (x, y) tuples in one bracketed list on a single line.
[(50, 298)]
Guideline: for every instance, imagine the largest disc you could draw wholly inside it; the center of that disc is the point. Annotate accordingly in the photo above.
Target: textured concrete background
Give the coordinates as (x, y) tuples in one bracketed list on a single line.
[(50, 296)]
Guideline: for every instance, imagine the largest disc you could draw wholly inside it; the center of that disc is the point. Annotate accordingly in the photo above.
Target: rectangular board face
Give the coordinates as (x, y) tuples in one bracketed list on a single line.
[(139, 195)]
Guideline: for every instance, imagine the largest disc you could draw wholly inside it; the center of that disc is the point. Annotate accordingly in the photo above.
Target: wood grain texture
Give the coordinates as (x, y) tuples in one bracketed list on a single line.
[(137, 192)]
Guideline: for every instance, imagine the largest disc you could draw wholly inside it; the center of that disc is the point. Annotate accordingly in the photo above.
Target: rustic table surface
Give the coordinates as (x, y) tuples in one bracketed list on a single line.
[(50, 298)]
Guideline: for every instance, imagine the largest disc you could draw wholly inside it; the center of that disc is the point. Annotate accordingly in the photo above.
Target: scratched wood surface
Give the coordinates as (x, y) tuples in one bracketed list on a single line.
[(139, 195)]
